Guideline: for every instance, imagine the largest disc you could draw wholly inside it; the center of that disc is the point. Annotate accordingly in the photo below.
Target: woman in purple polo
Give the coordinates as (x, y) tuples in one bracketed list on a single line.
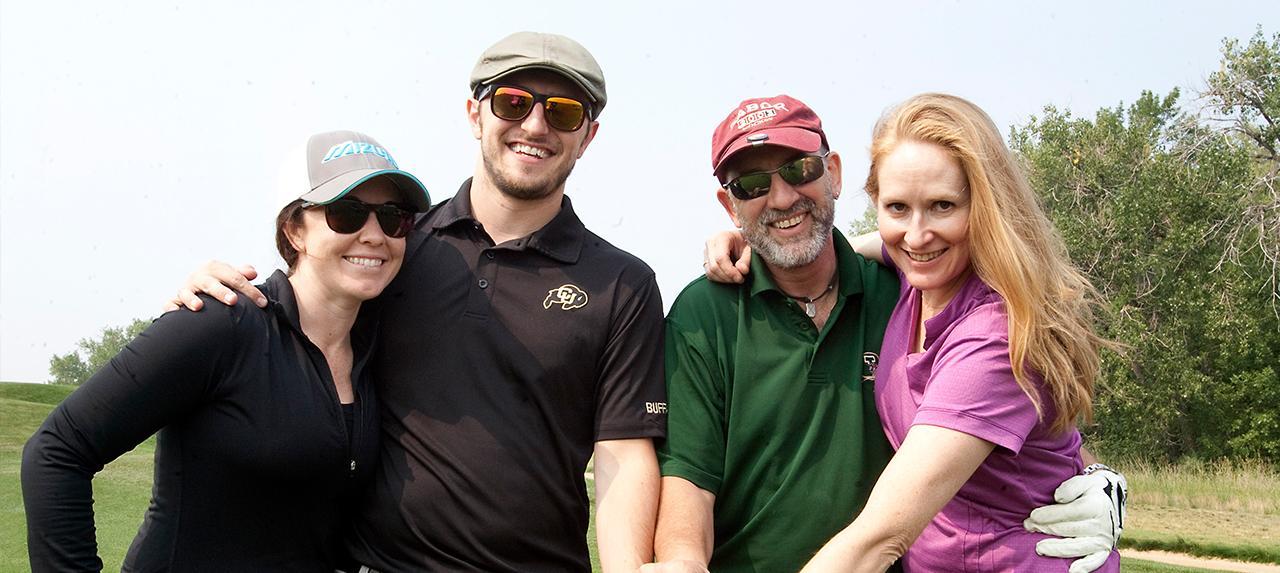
[(988, 360)]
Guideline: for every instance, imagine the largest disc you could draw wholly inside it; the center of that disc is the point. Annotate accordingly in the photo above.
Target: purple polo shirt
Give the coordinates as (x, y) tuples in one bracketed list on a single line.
[(964, 381)]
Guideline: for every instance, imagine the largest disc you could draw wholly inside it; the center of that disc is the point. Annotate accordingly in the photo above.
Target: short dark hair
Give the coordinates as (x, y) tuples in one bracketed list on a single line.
[(289, 219)]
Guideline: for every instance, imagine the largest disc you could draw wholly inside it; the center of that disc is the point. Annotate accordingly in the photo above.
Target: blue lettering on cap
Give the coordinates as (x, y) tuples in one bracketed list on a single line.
[(353, 148)]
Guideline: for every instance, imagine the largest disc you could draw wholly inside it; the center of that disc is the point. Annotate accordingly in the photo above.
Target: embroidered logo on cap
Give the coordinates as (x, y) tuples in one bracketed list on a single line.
[(757, 113), (357, 147), (568, 297)]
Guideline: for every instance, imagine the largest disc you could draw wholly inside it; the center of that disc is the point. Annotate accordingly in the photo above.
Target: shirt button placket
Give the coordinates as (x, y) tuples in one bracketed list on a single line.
[(486, 273)]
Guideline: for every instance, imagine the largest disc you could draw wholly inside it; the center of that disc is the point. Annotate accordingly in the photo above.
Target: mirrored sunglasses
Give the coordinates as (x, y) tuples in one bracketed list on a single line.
[(799, 172), (347, 216), (514, 104)]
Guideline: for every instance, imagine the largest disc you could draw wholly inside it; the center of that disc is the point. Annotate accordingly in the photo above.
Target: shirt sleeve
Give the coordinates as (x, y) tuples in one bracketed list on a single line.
[(631, 396), (157, 378), (889, 262), (971, 387), (695, 444)]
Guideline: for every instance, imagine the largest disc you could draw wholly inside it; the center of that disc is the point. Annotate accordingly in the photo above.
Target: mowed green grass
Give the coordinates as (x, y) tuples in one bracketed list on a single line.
[(1139, 566), (123, 489)]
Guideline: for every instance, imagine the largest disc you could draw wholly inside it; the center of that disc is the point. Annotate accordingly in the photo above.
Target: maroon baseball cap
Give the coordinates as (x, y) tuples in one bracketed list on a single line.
[(779, 120), (329, 165)]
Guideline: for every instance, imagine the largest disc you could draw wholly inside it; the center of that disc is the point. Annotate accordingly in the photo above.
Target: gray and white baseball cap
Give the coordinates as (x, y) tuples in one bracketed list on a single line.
[(329, 165)]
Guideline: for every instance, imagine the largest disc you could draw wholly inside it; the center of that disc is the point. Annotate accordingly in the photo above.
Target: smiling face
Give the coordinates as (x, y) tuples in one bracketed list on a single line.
[(790, 225), (350, 268), (923, 213), (528, 159)]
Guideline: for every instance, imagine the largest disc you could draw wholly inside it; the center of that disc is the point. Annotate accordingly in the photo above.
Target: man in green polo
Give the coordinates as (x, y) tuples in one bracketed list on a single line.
[(773, 439)]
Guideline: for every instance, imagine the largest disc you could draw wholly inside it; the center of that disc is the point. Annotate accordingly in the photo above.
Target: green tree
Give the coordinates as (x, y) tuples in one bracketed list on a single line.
[(1243, 100), (866, 224), (1149, 200), (73, 368)]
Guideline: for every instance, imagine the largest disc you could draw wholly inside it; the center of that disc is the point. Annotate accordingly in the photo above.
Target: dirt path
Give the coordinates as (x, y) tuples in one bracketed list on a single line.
[(1189, 561)]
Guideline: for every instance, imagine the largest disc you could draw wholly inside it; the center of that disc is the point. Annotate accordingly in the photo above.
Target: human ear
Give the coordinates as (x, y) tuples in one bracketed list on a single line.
[(592, 128), (473, 117), (297, 235), (727, 202), (834, 173)]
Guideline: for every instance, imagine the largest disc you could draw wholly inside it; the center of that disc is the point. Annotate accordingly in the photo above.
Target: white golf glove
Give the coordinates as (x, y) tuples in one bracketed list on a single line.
[(1088, 517)]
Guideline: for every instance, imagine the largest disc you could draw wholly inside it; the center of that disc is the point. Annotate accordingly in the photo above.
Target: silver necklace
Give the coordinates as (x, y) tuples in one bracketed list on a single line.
[(810, 306)]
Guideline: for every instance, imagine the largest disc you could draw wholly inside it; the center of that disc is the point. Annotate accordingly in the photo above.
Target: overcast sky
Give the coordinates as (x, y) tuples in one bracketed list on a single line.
[(139, 139)]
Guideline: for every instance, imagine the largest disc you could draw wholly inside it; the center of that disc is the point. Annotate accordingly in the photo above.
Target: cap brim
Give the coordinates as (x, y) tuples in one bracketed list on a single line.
[(415, 193)]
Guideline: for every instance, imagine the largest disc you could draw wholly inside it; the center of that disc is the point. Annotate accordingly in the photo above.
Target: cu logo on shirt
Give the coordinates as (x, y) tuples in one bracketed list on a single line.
[(568, 297)]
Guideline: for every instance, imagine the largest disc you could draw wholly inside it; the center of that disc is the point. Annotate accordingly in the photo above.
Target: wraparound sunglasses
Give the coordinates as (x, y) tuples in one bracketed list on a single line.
[(799, 172)]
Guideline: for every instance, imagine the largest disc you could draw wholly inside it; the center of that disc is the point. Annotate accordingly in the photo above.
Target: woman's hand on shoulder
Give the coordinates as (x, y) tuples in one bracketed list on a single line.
[(726, 257)]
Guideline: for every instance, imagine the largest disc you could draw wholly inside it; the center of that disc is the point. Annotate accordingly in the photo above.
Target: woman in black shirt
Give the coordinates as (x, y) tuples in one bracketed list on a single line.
[(267, 423)]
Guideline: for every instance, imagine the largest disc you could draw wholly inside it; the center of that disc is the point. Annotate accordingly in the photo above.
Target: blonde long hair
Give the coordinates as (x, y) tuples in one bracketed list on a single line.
[(1015, 250)]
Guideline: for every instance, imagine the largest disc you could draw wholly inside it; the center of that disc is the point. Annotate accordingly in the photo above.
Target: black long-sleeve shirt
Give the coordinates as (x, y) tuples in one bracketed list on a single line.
[(254, 469)]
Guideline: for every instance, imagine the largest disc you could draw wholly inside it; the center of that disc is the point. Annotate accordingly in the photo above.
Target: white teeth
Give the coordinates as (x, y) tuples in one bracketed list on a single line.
[(788, 223), (926, 256), (529, 150), (365, 262)]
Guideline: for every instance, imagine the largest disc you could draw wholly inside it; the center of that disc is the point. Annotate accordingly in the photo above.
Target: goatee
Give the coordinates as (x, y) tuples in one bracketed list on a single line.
[(798, 251), (530, 191)]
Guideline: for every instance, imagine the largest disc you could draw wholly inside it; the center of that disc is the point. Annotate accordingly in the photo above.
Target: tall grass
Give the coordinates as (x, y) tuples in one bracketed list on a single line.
[(1223, 485)]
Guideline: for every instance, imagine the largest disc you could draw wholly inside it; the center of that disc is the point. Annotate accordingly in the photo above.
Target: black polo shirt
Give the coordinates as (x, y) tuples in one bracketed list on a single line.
[(499, 368)]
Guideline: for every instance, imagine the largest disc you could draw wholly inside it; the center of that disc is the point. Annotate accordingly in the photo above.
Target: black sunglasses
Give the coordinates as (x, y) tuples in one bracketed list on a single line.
[(514, 104), (799, 172), (347, 216)]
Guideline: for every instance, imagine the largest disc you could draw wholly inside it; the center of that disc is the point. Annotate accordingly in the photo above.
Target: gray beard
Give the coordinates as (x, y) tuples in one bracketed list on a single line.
[(800, 251)]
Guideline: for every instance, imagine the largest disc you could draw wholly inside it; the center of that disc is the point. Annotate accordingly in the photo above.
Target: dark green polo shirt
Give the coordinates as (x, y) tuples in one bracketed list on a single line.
[(774, 418)]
